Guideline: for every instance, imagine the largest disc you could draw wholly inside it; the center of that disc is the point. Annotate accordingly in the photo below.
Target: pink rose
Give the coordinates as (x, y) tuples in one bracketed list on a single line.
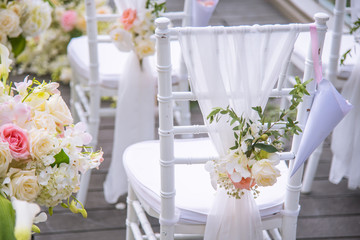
[(128, 17), (68, 20), (17, 139)]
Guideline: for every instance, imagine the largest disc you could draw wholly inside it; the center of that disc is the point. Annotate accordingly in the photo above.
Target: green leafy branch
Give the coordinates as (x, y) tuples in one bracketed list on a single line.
[(243, 132), (157, 7), (353, 29)]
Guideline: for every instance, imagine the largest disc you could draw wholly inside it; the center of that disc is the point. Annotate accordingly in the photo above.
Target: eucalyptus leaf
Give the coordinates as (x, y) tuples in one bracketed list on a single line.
[(266, 147)]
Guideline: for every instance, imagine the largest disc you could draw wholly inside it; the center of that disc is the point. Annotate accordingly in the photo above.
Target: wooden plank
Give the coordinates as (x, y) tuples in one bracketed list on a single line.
[(329, 206), (329, 227), (118, 234)]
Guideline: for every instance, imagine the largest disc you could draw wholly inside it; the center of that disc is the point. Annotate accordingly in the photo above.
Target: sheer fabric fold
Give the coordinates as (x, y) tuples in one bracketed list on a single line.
[(134, 121), (135, 108), (346, 136), (235, 68)]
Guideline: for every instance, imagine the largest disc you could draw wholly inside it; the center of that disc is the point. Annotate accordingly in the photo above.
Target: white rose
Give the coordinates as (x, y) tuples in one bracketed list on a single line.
[(122, 39), (44, 120), (37, 18), (23, 184), (145, 48), (59, 109), (43, 144), (9, 23), (265, 173), (5, 158)]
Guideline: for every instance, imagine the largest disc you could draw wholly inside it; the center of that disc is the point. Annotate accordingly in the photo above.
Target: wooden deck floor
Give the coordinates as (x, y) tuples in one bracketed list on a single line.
[(329, 212)]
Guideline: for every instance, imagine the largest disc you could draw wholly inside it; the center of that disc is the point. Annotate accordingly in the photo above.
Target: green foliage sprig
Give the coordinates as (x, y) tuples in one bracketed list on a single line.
[(243, 127)]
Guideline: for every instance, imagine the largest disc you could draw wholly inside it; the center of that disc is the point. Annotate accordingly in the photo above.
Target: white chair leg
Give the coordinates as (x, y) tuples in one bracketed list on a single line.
[(131, 214), (84, 186), (311, 168), (274, 233)]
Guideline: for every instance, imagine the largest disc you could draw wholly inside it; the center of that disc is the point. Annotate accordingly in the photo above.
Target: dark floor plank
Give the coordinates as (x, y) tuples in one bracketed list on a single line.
[(329, 227), (118, 234)]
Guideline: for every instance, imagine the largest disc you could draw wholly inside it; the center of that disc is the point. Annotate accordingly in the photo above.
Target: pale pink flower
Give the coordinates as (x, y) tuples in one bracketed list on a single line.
[(128, 17), (68, 20), (22, 87), (17, 139)]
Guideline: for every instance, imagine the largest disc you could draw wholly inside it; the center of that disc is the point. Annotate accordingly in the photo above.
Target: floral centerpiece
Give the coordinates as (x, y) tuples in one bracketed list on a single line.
[(42, 152), (47, 54), (133, 31), (252, 161), (21, 19)]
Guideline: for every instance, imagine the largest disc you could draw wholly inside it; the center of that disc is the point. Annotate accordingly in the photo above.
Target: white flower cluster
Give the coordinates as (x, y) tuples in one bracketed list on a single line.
[(243, 169), (26, 18), (41, 150), (47, 53)]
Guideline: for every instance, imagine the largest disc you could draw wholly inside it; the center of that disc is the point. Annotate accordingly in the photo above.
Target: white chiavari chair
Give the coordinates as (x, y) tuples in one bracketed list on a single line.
[(97, 72), (339, 42), (166, 177)]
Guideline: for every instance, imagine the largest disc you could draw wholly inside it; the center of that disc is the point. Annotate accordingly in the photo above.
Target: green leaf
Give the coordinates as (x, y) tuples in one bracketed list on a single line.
[(18, 45), (7, 219), (266, 147), (61, 157)]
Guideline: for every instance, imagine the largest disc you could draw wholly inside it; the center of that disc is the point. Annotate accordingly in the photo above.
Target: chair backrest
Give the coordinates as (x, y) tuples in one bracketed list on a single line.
[(92, 20), (336, 35), (167, 130)]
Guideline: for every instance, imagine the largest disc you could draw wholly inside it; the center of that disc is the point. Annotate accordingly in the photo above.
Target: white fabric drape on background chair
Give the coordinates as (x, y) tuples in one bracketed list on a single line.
[(135, 109), (346, 136), (238, 69)]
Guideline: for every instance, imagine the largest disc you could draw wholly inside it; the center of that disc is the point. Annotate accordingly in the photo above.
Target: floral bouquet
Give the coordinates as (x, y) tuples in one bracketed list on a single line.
[(47, 54), (252, 161), (134, 29), (42, 152), (21, 19)]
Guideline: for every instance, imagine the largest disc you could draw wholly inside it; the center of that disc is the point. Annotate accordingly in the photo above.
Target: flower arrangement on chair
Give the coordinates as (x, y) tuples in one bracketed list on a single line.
[(134, 29), (42, 152), (252, 161), (68, 21)]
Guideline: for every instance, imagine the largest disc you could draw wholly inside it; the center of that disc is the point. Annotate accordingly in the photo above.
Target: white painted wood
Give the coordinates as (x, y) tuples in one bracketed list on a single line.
[(331, 75)]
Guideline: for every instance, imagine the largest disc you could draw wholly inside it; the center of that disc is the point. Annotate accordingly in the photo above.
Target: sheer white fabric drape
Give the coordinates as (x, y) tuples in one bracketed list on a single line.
[(239, 70), (346, 136), (135, 109)]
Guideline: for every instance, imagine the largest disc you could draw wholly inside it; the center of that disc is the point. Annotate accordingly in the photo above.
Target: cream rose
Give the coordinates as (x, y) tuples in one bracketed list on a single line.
[(37, 18), (9, 23), (122, 39), (43, 144), (23, 184), (59, 109), (145, 48), (265, 173), (5, 158)]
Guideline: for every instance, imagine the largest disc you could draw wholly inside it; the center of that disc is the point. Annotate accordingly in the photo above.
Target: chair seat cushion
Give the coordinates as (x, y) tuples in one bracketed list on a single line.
[(111, 60), (194, 193), (347, 42)]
